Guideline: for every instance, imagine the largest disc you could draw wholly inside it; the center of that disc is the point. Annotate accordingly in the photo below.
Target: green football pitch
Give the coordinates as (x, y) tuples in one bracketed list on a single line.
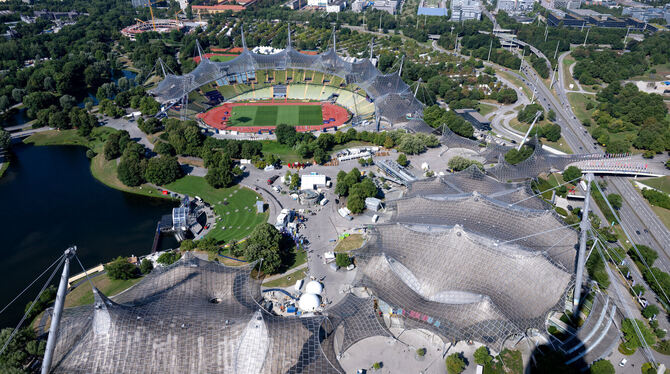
[(221, 58), (273, 115)]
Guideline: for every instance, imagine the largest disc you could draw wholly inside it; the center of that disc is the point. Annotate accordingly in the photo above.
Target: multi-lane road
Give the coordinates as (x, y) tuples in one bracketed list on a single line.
[(636, 215)]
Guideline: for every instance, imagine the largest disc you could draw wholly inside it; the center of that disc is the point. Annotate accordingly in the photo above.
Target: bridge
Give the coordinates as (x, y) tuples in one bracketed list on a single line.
[(627, 165), (26, 133)]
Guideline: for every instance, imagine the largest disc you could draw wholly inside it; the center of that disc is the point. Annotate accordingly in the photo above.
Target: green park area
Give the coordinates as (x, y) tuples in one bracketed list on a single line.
[(288, 279), (659, 183), (82, 294), (218, 58), (273, 115), (235, 205)]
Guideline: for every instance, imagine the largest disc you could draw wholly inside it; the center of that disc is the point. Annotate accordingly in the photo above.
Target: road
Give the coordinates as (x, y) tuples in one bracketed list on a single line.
[(635, 213)]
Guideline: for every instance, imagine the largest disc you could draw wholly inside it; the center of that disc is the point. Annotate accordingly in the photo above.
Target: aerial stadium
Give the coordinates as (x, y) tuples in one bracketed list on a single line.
[(339, 89)]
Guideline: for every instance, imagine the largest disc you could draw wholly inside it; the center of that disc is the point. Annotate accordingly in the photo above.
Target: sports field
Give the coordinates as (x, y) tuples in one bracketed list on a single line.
[(273, 115), (219, 58)]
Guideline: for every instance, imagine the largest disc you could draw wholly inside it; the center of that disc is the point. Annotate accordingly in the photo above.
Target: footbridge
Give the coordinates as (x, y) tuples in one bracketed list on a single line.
[(629, 165)]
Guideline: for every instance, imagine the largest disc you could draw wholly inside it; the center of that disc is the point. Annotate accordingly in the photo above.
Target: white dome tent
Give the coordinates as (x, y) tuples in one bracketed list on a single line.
[(314, 287), (309, 302)]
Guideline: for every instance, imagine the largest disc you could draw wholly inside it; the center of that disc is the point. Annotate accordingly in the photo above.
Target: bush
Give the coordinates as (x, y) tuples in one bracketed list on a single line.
[(663, 347), (656, 198), (458, 163), (342, 260), (572, 173), (146, 266), (421, 352), (615, 200), (163, 170), (402, 160), (120, 268), (514, 157), (455, 364), (90, 153), (168, 258), (632, 341), (602, 367), (650, 311), (482, 356), (649, 255)]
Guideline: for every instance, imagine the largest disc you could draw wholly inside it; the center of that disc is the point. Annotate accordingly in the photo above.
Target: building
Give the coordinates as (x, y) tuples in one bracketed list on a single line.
[(515, 6), (139, 3), (567, 4), (214, 9), (647, 14), (372, 203), (260, 207), (476, 119), (432, 9), (389, 6), (466, 10), (312, 181)]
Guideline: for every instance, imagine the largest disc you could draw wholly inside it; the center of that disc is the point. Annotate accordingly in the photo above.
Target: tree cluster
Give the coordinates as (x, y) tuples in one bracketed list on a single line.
[(120, 268), (458, 163), (268, 244), (168, 258), (356, 188), (514, 157), (528, 112), (436, 117), (656, 198)]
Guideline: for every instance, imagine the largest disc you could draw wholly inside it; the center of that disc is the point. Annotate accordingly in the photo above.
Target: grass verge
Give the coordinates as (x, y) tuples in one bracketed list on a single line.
[(234, 205), (83, 295), (351, 242), (3, 168), (288, 279)]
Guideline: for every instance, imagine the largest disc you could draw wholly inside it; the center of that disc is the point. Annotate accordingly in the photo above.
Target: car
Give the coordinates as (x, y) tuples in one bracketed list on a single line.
[(623, 362), (272, 179), (646, 231), (637, 232)]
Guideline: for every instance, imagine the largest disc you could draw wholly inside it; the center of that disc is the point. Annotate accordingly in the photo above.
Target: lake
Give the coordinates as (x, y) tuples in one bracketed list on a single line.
[(51, 201)]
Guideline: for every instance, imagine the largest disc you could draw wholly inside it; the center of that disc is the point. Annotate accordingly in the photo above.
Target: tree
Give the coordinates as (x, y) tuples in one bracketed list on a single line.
[(483, 356), (342, 260), (649, 255), (356, 204), (286, 134), (163, 170), (631, 339), (131, 170), (514, 157), (458, 163), (146, 266), (163, 148), (602, 367), (320, 156), (5, 139), (551, 115), (120, 268), (265, 243), (455, 363), (168, 258), (650, 311), (615, 200), (402, 160), (572, 173)]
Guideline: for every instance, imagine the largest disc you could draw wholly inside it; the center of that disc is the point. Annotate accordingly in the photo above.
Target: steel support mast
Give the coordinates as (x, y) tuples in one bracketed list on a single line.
[(581, 257), (58, 310)]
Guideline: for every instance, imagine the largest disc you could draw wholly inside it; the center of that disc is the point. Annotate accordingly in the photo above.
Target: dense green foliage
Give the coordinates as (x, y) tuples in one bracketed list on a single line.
[(615, 200), (483, 356), (631, 339), (596, 268), (357, 188), (527, 113), (625, 108), (649, 255), (43, 301), (21, 350), (656, 198), (342, 260), (265, 242), (120, 268), (132, 166), (162, 170), (146, 266), (455, 363), (168, 258), (437, 117), (571, 174), (458, 163), (514, 157), (602, 366)]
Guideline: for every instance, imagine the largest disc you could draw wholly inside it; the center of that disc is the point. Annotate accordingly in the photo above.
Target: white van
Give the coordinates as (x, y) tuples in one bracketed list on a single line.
[(375, 218), (323, 202)]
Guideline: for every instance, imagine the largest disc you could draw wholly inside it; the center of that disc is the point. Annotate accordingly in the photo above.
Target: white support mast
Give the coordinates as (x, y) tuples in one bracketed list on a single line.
[(58, 310)]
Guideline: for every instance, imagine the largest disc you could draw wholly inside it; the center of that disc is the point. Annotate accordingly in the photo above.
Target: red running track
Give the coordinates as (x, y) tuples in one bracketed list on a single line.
[(213, 117)]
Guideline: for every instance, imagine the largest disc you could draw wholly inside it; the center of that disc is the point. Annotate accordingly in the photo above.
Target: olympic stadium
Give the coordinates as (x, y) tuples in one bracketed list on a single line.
[(289, 76)]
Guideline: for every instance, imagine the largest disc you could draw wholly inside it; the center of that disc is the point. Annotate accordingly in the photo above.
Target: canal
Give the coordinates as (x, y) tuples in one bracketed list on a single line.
[(51, 201)]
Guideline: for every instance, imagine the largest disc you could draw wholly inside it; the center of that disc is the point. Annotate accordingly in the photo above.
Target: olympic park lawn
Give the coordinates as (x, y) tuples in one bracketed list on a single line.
[(273, 115), (218, 58), (236, 206)]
